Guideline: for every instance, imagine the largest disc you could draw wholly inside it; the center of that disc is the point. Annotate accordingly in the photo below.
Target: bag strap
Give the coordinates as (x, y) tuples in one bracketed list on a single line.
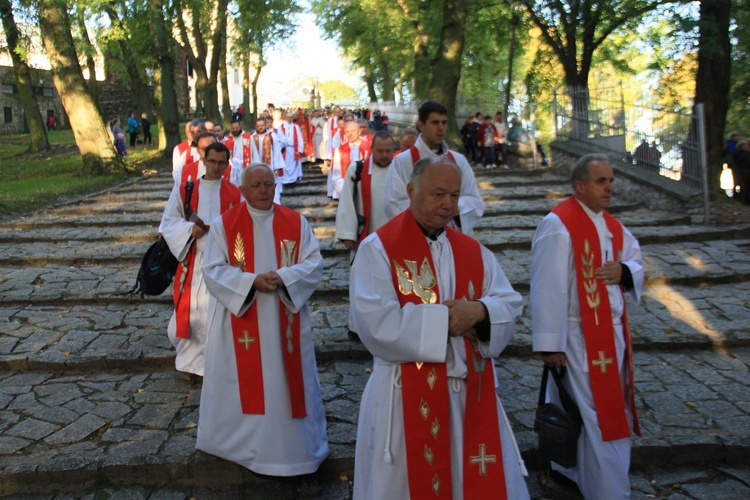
[(568, 404)]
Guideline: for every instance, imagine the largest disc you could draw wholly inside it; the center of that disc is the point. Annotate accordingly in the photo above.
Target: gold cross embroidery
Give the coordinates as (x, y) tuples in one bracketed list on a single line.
[(602, 362), (482, 460), (246, 339)]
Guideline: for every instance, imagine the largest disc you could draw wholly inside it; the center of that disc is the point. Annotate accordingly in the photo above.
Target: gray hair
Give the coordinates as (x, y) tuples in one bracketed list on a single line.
[(409, 131), (423, 163), (580, 171), (246, 171)]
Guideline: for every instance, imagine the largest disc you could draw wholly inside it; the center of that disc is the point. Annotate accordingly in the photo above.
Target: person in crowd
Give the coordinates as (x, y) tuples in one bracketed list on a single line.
[(583, 262), (185, 233), (261, 403), (433, 122), (433, 307)]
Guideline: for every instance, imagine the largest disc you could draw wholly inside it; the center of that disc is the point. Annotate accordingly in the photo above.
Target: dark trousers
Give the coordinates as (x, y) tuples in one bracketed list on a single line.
[(133, 137), (147, 137), (489, 156), (504, 151)]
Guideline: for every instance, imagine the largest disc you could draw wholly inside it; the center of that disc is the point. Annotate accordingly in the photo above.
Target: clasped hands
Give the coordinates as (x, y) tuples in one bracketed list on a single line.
[(463, 316), (267, 282), (610, 273)]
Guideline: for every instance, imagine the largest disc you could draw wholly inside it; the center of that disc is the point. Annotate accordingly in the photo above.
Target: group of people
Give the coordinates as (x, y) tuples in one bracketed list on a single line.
[(135, 128), (485, 139), (430, 303), (737, 156)]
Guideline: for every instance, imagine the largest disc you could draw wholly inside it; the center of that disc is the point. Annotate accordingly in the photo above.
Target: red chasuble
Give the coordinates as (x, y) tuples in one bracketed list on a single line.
[(425, 386), (345, 155), (185, 146), (229, 195), (415, 155), (238, 226), (596, 320)]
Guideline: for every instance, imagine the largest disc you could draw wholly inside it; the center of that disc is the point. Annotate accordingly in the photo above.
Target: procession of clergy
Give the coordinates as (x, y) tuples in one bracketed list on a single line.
[(430, 303)]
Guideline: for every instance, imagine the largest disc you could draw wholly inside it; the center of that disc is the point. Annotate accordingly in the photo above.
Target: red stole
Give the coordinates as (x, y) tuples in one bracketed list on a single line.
[(238, 226), (415, 157), (296, 139), (246, 153), (596, 320), (189, 172), (425, 387), (182, 148), (229, 195)]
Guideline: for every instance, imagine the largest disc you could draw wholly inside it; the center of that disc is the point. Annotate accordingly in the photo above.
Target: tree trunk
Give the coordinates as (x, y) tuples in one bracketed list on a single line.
[(246, 92), (97, 151), (713, 79), (37, 127), (164, 91), (254, 88), (226, 107), (578, 91), (218, 39), (90, 51), (370, 81), (446, 67), (140, 99)]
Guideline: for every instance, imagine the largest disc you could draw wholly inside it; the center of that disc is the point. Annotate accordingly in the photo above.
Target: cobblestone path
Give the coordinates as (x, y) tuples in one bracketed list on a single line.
[(91, 406)]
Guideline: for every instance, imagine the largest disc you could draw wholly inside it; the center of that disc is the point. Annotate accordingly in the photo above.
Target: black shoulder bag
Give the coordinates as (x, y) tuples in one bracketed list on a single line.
[(355, 193), (558, 428)]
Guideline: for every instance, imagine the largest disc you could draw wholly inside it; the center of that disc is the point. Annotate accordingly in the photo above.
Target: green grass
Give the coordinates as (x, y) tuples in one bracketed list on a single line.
[(33, 181)]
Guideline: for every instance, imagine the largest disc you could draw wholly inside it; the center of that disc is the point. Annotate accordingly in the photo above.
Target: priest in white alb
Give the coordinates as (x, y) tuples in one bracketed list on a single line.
[(583, 262), (186, 236), (261, 404), (266, 148), (433, 307), (433, 122), (294, 146)]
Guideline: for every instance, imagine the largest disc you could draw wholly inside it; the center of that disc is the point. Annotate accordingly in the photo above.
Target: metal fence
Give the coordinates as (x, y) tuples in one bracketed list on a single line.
[(650, 139)]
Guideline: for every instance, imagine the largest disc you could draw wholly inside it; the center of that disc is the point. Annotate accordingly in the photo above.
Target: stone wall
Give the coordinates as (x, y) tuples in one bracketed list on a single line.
[(10, 101), (654, 191), (114, 98)]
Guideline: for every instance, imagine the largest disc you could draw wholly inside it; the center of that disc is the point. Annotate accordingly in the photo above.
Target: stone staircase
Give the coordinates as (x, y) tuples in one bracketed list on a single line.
[(90, 403)]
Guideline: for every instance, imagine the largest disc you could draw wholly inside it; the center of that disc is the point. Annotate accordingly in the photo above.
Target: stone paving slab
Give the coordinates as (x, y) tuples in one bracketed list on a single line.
[(93, 425), (131, 334)]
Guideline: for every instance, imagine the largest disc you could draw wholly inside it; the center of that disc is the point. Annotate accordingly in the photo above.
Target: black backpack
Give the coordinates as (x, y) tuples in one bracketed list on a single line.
[(157, 270)]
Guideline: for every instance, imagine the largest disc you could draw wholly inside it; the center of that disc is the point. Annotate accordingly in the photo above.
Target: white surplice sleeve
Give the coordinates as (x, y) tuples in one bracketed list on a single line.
[(504, 306), (470, 204), (390, 332), (399, 173), (302, 278), (225, 282), (177, 232), (551, 268), (346, 212), (631, 257)]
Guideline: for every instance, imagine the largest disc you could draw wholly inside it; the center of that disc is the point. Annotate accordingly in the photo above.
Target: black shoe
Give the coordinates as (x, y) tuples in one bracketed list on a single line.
[(353, 336)]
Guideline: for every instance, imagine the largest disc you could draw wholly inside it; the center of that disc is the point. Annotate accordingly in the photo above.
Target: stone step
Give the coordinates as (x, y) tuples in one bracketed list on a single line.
[(62, 433), (698, 250), (97, 330)]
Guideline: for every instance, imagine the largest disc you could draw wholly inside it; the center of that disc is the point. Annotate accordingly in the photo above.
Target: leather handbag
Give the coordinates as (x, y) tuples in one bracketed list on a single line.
[(558, 428)]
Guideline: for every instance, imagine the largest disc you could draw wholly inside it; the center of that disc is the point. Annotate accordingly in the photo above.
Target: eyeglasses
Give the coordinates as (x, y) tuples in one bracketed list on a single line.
[(217, 162)]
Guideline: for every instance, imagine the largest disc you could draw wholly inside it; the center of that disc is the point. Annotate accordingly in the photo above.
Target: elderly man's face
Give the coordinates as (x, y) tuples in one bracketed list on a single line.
[(259, 187), (434, 201), (219, 131), (351, 131), (195, 131), (596, 192), (363, 129)]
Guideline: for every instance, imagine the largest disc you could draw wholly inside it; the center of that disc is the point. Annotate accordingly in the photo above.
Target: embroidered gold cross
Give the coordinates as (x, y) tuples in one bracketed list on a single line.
[(246, 339), (482, 460), (602, 362)]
